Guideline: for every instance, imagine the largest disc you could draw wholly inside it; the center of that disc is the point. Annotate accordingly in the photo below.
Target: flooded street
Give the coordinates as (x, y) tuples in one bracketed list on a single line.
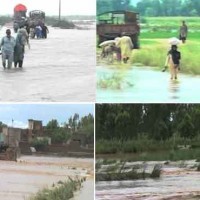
[(19, 180), (175, 183), (144, 85), (60, 68)]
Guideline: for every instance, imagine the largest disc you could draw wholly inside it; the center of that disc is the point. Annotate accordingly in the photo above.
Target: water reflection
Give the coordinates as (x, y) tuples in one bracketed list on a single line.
[(174, 89)]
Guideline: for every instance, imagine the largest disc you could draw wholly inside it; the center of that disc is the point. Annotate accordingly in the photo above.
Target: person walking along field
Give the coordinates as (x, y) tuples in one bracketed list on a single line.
[(183, 32)]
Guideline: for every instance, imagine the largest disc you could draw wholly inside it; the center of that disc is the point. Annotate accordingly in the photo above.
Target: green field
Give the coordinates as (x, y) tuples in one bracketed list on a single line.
[(155, 32)]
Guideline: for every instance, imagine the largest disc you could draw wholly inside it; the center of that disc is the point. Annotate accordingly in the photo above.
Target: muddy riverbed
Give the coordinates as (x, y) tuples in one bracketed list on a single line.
[(179, 180), (19, 180), (59, 68)]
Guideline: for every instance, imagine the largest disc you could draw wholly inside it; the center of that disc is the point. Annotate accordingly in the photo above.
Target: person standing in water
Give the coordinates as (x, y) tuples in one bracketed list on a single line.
[(173, 60), (19, 50), (7, 45)]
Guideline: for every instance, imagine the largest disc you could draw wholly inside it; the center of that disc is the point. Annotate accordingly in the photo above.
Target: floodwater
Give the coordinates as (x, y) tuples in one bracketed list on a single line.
[(59, 68), (147, 85), (19, 180), (175, 183)]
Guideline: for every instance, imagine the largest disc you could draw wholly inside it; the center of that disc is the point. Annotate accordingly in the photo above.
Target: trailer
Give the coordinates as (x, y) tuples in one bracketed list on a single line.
[(19, 18), (36, 17), (113, 23)]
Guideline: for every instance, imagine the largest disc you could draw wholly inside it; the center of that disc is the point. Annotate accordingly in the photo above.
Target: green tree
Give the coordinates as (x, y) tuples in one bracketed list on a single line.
[(52, 125)]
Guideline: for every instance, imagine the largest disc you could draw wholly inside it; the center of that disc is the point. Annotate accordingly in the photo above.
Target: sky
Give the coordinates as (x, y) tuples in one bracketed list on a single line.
[(20, 113), (134, 2), (51, 7)]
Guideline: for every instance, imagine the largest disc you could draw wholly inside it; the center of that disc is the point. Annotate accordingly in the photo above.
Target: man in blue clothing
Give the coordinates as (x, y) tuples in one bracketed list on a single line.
[(7, 46)]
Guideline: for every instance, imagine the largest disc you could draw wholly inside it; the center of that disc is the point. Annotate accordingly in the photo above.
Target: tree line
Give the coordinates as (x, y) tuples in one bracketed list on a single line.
[(75, 124), (156, 121), (152, 8)]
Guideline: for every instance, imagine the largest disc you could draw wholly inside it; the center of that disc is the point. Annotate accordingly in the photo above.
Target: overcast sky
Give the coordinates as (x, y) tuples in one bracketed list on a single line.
[(20, 113), (51, 7)]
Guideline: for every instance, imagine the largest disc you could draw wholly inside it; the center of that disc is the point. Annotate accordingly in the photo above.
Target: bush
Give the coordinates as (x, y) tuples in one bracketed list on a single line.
[(40, 144), (64, 191)]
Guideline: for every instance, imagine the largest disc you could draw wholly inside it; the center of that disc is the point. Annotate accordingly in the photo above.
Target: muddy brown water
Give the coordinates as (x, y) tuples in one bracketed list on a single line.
[(59, 68), (175, 183), (19, 180)]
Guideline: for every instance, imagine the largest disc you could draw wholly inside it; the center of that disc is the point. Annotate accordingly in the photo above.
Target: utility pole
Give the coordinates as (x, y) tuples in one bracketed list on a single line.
[(59, 11)]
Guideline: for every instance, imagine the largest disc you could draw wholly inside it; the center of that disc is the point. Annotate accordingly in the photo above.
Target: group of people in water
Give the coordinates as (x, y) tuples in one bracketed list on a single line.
[(39, 31), (122, 47), (13, 48)]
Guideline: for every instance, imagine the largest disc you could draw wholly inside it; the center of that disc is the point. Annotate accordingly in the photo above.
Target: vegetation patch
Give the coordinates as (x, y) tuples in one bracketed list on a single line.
[(61, 191)]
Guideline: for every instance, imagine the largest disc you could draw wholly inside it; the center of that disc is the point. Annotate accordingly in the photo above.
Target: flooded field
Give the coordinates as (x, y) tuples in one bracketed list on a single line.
[(146, 85), (60, 68), (178, 181), (19, 180)]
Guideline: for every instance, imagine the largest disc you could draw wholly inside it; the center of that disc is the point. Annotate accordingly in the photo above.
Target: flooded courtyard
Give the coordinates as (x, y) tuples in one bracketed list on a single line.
[(59, 68), (22, 179), (145, 85), (179, 180)]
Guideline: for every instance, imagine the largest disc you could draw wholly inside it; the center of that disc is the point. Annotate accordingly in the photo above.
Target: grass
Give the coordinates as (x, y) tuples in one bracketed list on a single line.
[(193, 22), (122, 176), (173, 155), (119, 171), (153, 53), (63, 190), (145, 149), (154, 36)]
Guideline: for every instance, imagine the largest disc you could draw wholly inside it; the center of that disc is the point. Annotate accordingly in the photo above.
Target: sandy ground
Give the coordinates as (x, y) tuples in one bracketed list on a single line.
[(19, 180)]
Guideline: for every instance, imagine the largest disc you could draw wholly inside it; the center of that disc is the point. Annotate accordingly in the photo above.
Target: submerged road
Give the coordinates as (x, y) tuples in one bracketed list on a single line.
[(60, 68), (145, 85)]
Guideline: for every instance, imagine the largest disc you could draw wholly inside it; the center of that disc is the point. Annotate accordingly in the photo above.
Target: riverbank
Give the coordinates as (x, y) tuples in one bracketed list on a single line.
[(146, 149)]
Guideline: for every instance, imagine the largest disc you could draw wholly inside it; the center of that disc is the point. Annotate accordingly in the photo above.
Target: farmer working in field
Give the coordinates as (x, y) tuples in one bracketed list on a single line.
[(7, 45), (173, 60), (126, 46), (183, 32)]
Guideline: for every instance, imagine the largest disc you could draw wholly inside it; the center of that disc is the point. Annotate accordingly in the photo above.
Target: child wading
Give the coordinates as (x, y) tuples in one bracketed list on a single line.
[(173, 61)]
